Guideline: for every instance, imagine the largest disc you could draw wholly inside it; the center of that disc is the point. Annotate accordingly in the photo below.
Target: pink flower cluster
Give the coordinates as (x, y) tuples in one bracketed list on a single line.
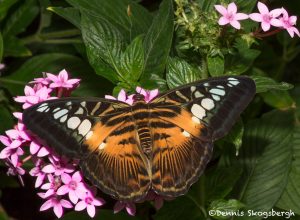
[(278, 18), (59, 181)]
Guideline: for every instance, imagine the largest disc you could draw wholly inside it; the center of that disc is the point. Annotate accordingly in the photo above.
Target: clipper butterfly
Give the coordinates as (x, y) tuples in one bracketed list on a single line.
[(127, 150)]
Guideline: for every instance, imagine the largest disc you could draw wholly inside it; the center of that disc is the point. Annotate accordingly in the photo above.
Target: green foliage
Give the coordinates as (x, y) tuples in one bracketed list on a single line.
[(120, 44)]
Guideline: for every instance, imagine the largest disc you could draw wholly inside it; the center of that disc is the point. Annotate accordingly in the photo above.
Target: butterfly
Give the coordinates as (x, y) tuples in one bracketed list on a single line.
[(127, 150)]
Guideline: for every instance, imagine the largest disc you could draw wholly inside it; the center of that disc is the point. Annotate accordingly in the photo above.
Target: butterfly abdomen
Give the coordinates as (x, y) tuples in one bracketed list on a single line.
[(140, 113)]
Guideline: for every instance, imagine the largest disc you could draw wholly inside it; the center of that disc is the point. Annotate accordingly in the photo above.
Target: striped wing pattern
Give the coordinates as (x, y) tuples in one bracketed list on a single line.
[(162, 146)]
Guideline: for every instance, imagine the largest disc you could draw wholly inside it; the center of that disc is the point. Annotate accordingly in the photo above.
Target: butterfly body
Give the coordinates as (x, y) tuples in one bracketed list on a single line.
[(163, 145)]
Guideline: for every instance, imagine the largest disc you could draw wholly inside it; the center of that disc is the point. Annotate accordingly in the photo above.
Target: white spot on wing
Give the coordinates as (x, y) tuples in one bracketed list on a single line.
[(73, 122), (221, 87), (228, 84), (198, 94), (220, 92), (193, 88), (89, 135), (206, 84), (63, 119), (233, 81), (55, 110), (198, 111), (208, 103), (83, 104), (69, 103), (60, 113), (79, 111), (84, 127), (186, 134), (216, 97), (102, 146), (43, 108)]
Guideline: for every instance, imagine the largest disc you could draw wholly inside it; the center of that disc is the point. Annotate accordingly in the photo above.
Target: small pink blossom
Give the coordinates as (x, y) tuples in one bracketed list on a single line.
[(43, 81), (52, 186), (58, 167), (288, 22), (122, 96), (148, 94), (266, 17), (129, 206), (33, 96), (57, 204), (38, 173), (73, 186), (230, 15), (62, 80), (88, 202)]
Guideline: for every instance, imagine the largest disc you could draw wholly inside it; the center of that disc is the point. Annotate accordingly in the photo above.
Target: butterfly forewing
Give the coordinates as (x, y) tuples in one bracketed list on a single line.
[(215, 102), (101, 133)]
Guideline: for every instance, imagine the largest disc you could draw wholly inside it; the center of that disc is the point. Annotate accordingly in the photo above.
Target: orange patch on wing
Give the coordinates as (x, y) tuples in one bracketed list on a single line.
[(184, 120), (100, 133)]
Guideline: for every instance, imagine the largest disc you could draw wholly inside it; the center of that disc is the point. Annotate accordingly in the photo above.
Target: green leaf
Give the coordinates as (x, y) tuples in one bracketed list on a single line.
[(158, 41), (220, 181), (243, 59), (55, 62), (215, 65), (235, 136), (116, 13), (7, 122), (179, 72), (4, 6), (207, 5), (246, 6), (218, 209), (264, 84), (266, 156), (21, 18), (70, 14), (278, 99), (290, 199), (132, 60), (104, 45), (13, 47), (155, 82), (181, 208), (1, 47)]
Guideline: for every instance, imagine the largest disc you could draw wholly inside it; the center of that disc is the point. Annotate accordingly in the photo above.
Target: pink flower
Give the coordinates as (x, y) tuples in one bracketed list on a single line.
[(36, 147), (122, 96), (57, 204), (266, 17), (73, 186), (43, 81), (129, 206), (38, 173), (62, 80), (58, 166), (148, 94), (2, 66), (33, 96), (230, 15), (88, 202), (288, 22), (52, 186)]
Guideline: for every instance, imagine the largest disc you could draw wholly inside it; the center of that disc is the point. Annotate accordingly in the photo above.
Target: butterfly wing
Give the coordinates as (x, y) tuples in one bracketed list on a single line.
[(102, 135), (188, 119)]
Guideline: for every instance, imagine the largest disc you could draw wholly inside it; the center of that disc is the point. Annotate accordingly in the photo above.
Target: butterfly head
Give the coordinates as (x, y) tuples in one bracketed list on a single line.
[(138, 98)]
